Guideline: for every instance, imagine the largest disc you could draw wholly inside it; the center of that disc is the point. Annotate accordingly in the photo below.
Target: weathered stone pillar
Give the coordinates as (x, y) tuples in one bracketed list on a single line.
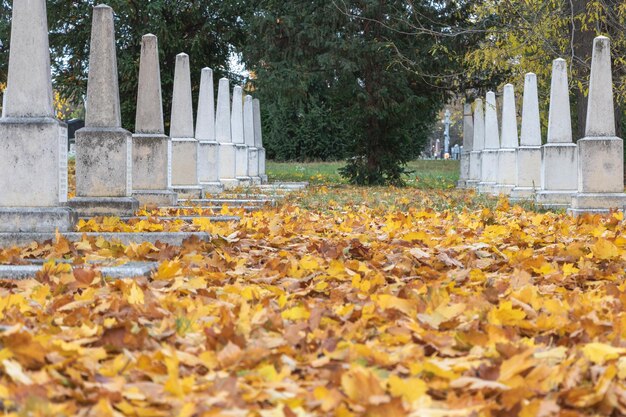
[(103, 148), (151, 147), (528, 162), (33, 152), (489, 163), (600, 152), (228, 175), (241, 149), (248, 133), (184, 144), (507, 155), (468, 141), (475, 156), (258, 138), (208, 153), (559, 157)]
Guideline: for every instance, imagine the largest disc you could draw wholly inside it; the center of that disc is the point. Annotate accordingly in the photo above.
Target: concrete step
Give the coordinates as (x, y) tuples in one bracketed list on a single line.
[(129, 270), (170, 238)]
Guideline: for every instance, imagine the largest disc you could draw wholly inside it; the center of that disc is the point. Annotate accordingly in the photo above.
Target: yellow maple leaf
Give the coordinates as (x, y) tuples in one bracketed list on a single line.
[(599, 353), (505, 315), (410, 389), (296, 313), (604, 249)]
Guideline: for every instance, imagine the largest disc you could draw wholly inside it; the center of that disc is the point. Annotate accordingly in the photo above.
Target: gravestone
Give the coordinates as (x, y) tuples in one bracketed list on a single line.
[(489, 162), (248, 133), (33, 148), (237, 129), (258, 138), (507, 155), (559, 157), (184, 144), (227, 152), (600, 152), (468, 140), (528, 162), (478, 144), (150, 145), (103, 147), (208, 151)]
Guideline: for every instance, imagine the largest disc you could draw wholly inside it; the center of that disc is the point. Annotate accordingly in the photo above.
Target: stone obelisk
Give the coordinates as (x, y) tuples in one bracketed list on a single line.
[(258, 138), (150, 145), (507, 155), (103, 148), (33, 154), (559, 157), (478, 145), (227, 153), (208, 151), (489, 163), (529, 153), (600, 152), (468, 141), (248, 133), (184, 144), (237, 129)]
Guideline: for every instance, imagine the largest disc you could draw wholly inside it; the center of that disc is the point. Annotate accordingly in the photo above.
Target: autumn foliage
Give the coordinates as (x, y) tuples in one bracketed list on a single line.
[(343, 310)]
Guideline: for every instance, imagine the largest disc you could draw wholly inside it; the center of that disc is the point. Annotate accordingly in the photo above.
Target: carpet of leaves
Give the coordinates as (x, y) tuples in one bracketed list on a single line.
[(379, 310)]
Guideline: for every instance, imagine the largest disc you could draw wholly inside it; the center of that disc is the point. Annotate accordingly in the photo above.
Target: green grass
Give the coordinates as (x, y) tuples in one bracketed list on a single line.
[(424, 175)]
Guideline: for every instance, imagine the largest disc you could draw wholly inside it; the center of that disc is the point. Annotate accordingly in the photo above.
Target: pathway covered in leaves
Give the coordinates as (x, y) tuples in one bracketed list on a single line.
[(383, 308)]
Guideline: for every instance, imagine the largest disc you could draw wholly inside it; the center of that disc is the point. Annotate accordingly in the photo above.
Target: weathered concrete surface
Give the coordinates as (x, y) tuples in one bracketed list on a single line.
[(150, 160), (149, 115), (104, 206), (159, 198), (103, 162), (560, 121), (212, 219), (229, 202), (248, 133), (528, 164), (489, 157), (468, 142), (185, 163), (174, 239), (208, 150), (129, 270), (258, 138), (600, 110), (227, 151), (475, 159), (507, 155), (37, 219)]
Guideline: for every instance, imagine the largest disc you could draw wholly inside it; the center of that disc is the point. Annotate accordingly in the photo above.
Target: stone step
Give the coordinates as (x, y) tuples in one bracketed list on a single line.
[(227, 202), (170, 238), (215, 209), (129, 270), (220, 219)]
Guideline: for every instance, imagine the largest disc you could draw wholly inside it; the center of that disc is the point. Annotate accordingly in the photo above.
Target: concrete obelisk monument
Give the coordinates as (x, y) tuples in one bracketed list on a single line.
[(600, 152), (468, 141), (184, 144), (223, 133), (258, 138), (241, 149), (507, 155), (103, 148), (489, 163), (150, 145), (248, 133), (529, 153), (559, 157), (208, 152), (33, 156), (478, 145)]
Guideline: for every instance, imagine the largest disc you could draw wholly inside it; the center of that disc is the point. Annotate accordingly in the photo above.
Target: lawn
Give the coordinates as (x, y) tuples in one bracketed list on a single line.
[(424, 174)]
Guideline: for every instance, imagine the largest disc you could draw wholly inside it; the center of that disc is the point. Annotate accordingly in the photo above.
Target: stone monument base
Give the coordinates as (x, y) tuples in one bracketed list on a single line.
[(229, 183), (506, 189), (212, 187), (104, 206), (528, 166), (155, 198), (489, 171), (554, 199), (601, 162), (150, 162), (188, 191), (475, 168), (208, 162), (507, 171), (245, 181), (597, 203), (471, 184), (264, 179), (37, 219), (256, 181), (487, 187), (523, 193), (461, 184), (184, 162)]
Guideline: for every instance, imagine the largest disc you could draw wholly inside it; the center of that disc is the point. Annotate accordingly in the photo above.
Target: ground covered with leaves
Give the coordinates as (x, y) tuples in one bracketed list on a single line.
[(339, 302)]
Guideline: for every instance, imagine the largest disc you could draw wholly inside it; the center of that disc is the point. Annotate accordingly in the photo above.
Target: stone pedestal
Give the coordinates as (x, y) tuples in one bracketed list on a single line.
[(185, 167), (241, 156), (253, 165), (228, 160), (559, 175), (528, 173), (507, 171), (104, 173), (150, 173), (600, 177), (208, 170), (465, 170), (475, 169), (262, 174), (489, 171)]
